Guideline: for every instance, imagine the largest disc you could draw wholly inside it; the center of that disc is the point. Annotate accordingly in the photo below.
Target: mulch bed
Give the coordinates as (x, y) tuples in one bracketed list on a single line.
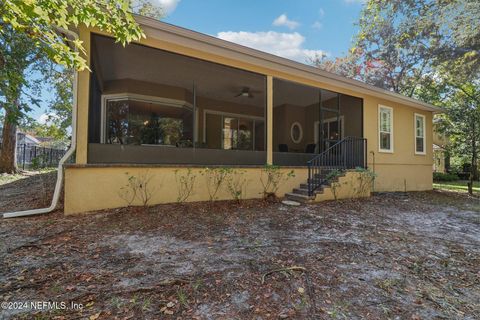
[(406, 255)]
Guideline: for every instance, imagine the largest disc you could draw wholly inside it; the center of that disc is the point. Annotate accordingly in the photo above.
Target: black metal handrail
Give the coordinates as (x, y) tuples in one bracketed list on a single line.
[(348, 153)]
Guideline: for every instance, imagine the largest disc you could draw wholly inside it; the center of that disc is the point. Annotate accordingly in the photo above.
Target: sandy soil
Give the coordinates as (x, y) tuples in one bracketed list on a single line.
[(28, 190), (405, 256)]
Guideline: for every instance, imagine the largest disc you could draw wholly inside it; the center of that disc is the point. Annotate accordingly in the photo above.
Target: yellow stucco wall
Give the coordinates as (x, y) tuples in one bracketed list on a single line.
[(96, 188), (89, 189), (403, 166), (349, 186)]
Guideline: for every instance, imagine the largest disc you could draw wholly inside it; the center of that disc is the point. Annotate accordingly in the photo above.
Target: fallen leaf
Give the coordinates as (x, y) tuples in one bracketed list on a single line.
[(94, 316)]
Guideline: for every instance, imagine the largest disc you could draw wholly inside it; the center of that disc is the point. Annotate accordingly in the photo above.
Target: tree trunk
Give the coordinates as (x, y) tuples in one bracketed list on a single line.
[(9, 142), (473, 165), (473, 169)]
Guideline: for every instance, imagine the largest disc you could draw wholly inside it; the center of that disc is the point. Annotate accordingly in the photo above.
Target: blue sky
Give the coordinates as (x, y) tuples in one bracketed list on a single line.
[(323, 25), (295, 29)]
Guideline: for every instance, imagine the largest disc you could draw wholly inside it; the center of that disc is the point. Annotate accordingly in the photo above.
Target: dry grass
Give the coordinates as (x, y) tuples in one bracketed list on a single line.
[(412, 256)]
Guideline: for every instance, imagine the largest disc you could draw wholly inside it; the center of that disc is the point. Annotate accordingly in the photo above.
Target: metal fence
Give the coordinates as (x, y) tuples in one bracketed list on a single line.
[(35, 157)]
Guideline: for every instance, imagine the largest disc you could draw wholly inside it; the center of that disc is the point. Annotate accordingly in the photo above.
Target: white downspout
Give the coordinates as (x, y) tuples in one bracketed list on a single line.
[(68, 154)]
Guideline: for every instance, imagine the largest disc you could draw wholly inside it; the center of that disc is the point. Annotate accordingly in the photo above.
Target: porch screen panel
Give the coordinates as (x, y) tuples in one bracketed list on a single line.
[(136, 122), (309, 120), (161, 107), (296, 119), (231, 106), (351, 114)]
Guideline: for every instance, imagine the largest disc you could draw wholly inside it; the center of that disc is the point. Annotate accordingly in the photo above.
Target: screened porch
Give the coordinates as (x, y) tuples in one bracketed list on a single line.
[(149, 106)]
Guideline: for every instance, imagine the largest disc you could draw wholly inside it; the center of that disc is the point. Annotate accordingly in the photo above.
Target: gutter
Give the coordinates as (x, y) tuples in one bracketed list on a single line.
[(68, 154)]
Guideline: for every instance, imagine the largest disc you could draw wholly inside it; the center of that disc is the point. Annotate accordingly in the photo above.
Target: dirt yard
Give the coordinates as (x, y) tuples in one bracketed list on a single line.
[(398, 256)]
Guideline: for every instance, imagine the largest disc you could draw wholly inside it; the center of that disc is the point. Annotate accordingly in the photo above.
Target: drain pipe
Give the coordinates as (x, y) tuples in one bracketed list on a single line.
[(373, 165), (68, 154)]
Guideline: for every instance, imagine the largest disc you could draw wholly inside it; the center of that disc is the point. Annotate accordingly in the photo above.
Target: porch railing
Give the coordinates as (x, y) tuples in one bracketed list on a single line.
[(348, 153)]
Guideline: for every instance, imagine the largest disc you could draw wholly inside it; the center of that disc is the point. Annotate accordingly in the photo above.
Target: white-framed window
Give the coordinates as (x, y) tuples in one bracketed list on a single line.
[(419, 134), (385, 129), (129, 118), (237, 131)]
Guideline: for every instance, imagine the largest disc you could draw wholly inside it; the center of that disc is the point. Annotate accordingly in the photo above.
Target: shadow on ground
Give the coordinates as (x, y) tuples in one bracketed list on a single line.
[(30, 190), (413, 256)]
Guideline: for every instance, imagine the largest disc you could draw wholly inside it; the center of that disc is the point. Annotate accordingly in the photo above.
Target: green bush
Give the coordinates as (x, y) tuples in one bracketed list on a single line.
[(438, 176)]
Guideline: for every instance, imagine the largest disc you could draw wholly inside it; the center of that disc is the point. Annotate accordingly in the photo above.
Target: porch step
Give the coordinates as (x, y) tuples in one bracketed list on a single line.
[(304, 190), (305, 186), (300, 194), (298, 197)]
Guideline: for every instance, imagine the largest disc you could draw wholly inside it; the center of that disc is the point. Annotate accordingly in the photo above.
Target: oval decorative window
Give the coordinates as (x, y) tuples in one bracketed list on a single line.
[(296, 132)]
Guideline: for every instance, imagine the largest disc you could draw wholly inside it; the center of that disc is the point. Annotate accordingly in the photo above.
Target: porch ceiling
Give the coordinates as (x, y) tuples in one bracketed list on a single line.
[(114, 62)]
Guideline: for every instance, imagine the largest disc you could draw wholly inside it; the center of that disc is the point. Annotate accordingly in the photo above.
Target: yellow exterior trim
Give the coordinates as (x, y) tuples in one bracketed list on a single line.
[(269, 120), (83, 90)]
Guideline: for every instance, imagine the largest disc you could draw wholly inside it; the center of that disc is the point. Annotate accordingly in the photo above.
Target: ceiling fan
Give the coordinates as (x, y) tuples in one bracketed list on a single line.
[(246, 92)]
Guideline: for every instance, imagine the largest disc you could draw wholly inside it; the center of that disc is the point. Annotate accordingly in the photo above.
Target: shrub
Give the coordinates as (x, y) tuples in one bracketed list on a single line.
[(236, 184), (137, 187), (439, 176), (332, 177), (271, 178), (365, 180), (36, 163), (185, 184), (215, 177)]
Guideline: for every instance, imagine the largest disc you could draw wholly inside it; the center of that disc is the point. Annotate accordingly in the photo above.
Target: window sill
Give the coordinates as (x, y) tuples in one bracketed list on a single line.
[(385, 151)]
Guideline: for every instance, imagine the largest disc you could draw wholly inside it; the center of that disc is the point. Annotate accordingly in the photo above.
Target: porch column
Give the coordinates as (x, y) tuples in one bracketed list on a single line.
[(269, 120), (83, 91)]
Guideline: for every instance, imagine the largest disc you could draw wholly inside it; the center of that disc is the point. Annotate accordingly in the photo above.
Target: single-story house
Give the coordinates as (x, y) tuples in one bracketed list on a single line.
[(24, 138), (180, 100), (29, 140)]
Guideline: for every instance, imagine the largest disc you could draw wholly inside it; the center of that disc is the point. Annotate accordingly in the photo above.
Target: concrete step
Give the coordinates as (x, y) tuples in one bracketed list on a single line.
[(298, 197), (301, 194), (304, 191), (305, 186)]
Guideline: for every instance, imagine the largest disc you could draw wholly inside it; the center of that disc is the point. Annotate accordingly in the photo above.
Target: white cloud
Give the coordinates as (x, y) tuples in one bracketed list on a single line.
[(168, 6), (317, 25), (283, 20), (46, 118), (287, 45)]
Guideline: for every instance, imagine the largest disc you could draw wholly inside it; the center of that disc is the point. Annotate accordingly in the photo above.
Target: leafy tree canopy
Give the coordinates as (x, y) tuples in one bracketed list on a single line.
[(33, 41), (43, 20), (401, 43)]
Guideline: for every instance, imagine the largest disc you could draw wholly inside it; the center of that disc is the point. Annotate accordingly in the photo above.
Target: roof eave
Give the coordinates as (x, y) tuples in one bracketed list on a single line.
[(270, 58)]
